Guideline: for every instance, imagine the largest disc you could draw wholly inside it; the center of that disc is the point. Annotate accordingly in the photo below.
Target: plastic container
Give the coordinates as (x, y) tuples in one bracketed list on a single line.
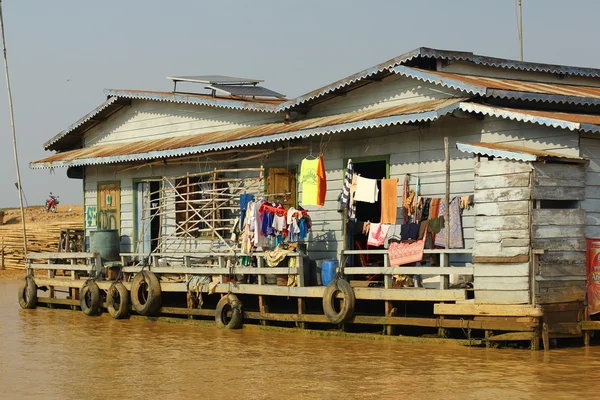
[(107, 243), (328, 270)]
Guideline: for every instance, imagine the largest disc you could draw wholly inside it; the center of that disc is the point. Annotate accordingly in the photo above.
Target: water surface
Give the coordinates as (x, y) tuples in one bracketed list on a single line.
[(65, 354)]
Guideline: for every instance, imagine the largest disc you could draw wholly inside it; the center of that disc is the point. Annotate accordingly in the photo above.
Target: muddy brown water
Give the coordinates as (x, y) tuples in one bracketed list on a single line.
[(50, 354)]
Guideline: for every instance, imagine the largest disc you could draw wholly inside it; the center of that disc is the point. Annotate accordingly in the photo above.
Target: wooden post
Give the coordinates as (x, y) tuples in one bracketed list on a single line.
[(51, 288), (2, 262), (445, 279), (387, 281)]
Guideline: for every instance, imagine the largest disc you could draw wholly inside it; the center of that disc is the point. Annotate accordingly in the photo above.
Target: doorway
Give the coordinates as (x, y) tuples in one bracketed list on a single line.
[(147, 219), (368, 212), (373, 170)]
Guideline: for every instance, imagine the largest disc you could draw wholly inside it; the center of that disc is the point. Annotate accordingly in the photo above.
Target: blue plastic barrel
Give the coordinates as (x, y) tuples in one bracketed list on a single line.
[(328, 270)]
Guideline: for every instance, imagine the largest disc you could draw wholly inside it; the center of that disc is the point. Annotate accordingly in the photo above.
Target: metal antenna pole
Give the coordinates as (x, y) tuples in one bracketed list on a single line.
[(521, 27), (14, 135)]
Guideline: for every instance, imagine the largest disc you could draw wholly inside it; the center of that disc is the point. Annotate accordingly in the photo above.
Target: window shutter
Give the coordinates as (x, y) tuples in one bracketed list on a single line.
[(281, 182)]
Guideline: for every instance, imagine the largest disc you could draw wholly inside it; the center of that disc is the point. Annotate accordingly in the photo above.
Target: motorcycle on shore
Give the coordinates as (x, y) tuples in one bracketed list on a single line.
[(51, 203)]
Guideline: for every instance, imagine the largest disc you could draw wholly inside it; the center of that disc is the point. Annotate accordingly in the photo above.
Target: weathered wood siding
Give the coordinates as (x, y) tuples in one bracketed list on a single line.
[(560, 272), (467, 68), (502, 239), (145, 120), (393, 90), (590, 149), (414, 150)]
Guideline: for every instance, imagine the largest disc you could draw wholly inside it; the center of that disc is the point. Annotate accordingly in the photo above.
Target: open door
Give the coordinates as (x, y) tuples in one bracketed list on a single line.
[(147, 219)]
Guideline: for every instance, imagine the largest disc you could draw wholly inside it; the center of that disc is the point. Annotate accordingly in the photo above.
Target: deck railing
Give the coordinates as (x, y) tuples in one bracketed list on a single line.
[(443, 271), (197, 264)]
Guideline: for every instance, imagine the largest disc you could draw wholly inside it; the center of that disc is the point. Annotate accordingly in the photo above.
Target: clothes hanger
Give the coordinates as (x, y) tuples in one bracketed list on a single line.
[(310, 155)]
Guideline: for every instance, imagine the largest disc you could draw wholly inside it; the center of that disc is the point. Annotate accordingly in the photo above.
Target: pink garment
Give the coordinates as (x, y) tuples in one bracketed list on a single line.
[(377, 234)]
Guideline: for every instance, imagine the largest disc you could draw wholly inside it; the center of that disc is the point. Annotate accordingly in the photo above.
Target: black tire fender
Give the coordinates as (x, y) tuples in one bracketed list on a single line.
[(331, 291), (89, 298), (117, 301), (146, 293), (229, 313), (28, 293)]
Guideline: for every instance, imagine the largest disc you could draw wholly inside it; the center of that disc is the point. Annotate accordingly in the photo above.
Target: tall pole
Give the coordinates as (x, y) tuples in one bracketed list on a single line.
[(14, 134), (521, 28)]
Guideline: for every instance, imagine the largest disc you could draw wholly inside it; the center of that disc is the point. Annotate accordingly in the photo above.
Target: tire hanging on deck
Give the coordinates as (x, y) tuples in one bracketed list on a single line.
[(117, 301), (229, 313), (28, 293), (331, 291), (89, 298), (146, 293)]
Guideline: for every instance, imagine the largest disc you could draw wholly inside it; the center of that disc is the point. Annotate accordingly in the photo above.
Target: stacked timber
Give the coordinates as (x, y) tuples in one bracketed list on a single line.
[(43, 233), (558, 228), (502, 231)]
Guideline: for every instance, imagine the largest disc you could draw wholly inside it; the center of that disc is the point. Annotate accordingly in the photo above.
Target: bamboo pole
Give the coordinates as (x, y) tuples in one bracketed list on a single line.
[(14, 134)]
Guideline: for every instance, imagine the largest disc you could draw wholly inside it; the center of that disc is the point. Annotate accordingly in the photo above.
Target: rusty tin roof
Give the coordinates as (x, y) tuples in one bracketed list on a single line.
[(513, 152), (250, 136)]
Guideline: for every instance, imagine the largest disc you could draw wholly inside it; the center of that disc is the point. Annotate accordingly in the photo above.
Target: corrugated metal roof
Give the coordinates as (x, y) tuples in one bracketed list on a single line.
[(449, 55), (250, 136), (116, 98), (266, 105), (570, 121), (506, 88), (99, 113), (512, 152)]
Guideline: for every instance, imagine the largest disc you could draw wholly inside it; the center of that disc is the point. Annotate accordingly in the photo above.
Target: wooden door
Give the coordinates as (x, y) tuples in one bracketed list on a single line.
[(109, 206), (281, 186)]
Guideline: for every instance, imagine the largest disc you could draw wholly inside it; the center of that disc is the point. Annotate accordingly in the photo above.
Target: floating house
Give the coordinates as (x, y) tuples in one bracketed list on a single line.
[(512, 147)]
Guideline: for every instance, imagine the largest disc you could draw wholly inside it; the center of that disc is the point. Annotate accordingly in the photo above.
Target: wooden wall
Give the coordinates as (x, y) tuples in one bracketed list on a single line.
[(145, 120), (560, 271), (502, 237)]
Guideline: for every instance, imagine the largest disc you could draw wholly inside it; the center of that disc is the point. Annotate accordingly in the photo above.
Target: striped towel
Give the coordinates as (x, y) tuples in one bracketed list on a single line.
[(347, 182)]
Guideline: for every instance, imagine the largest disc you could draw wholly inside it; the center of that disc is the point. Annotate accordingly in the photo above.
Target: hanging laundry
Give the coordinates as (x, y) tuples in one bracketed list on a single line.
[(389, 200), (302, 229), (366, 190), (454, 224), (409, 204), (279, 224), (293, 231), (366, 228), (436, 224), (347, 183), (352, 200), (314, 183), (244, 200), (404, 199), (466, 202), (377, 234), (322, 182), (394, 234), (425, 209), (259, 239), (409, 231)]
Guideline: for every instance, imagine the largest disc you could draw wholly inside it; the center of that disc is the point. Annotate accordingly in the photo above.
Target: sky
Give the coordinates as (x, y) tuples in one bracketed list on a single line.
[(62, 54)]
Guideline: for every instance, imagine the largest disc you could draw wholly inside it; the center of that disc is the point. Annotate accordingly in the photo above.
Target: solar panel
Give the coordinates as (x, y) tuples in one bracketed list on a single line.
[(215, 79), (246, 90)]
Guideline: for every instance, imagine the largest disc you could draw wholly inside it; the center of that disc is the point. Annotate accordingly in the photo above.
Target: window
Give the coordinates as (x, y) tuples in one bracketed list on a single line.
[(204, 205), (281, 186)]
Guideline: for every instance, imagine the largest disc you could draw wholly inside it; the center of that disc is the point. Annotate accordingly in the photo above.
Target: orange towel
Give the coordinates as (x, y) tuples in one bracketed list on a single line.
[(389, 199)]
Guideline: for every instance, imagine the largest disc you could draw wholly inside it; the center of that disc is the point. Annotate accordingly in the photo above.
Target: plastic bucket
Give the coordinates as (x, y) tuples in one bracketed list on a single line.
[(328, 270)]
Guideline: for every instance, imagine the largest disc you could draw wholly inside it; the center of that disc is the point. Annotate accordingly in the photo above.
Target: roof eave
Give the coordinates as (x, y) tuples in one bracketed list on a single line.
[(345, 127)]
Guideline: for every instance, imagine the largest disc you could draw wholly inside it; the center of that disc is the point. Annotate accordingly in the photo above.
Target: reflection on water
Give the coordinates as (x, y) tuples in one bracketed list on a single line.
[(65, 354)]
